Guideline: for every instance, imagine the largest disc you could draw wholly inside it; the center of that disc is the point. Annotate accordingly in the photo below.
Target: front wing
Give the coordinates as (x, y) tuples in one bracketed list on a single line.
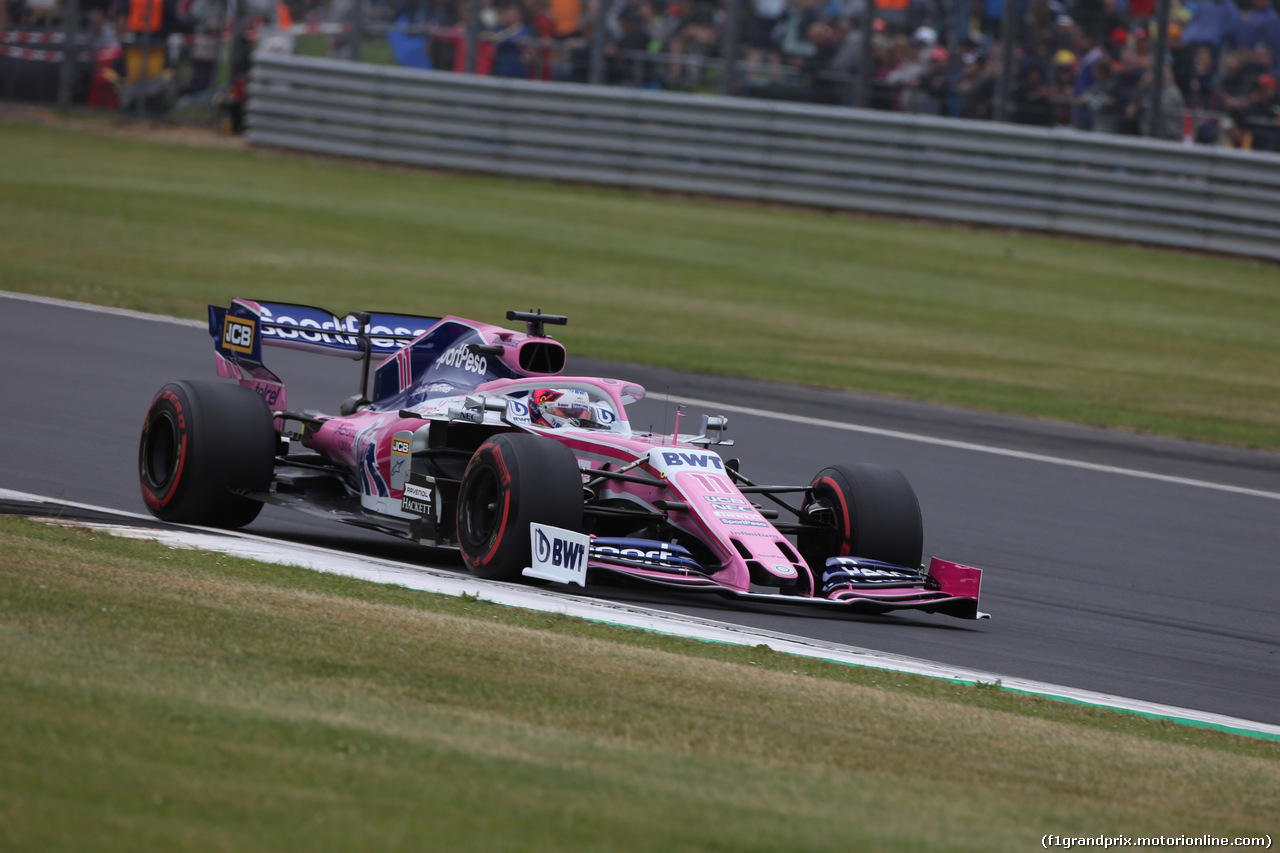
[(945, 587), (947, 600)]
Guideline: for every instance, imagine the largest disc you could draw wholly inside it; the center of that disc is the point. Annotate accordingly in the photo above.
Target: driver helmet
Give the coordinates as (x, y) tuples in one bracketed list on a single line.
[(558, 407)]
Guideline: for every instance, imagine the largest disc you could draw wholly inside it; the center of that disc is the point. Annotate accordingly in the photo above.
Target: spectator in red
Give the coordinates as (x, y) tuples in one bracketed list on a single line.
[(1241, 70), (1117, 43), (1255, 121), (543, 27), (1263, 60), (1113, 18), (484, 47), (932, 83), (1141, 10)]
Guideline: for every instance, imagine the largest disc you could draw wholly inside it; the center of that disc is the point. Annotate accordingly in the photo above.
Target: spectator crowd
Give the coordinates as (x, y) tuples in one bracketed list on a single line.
[(1081, 64)]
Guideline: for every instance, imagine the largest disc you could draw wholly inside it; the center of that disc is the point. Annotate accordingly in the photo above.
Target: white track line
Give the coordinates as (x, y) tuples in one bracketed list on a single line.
[(978, 448), (789, 418), (101, 309), (263, 549)]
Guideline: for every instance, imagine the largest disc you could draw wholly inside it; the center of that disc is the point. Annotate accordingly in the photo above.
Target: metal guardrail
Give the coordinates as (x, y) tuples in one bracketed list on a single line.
[(978, 172)]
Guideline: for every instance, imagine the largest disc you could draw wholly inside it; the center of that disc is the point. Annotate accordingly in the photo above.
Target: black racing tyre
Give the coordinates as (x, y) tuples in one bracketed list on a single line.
[(862, 510), (514, 480), (200, 440)]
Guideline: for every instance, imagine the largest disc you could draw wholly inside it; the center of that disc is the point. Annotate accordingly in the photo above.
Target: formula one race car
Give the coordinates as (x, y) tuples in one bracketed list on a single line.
[(471, 439)]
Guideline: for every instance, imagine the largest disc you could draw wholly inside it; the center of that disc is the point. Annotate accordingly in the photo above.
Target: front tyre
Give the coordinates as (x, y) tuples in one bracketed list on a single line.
[(514, 480), (861, 510), (201, 442)]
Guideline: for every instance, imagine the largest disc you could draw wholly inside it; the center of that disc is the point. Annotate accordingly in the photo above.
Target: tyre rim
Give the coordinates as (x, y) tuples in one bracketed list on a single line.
[(161, 453), (821, 512), (480, 509), (823, 538)]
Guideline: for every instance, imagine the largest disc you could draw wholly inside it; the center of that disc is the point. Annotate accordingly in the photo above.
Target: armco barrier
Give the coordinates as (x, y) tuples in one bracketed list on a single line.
[(979, 172)]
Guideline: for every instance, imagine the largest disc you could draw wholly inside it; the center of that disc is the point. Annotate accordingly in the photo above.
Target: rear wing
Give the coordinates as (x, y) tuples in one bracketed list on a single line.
[(240, 332)]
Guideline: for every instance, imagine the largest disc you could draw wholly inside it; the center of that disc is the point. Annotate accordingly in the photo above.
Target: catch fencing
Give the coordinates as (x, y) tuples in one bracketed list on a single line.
[(836, 158)]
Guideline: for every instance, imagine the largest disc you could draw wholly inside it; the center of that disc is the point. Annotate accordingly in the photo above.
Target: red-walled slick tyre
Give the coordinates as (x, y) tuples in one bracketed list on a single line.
[(514, 480), (202, 441), (862, 510)]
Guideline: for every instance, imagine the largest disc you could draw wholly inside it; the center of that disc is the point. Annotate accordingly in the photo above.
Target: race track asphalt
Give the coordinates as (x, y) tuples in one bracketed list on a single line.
[(1162, 589)]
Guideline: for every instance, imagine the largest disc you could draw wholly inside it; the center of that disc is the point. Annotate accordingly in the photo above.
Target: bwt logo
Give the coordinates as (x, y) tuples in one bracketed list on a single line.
[(557, 551), (691, 460), (517, 412)]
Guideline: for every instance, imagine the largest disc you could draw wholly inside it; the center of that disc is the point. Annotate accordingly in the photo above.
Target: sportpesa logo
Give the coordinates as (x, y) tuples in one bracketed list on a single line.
[(461, 357), (653, 556)]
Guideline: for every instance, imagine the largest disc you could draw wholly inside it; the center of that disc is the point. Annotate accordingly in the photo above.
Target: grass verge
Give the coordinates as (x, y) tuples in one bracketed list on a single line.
[(1103, 334), (167, 700)]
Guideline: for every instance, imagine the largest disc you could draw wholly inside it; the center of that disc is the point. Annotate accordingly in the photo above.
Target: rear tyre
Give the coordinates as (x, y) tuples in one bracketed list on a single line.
[(200, 441), (514, 480), (862, 510)]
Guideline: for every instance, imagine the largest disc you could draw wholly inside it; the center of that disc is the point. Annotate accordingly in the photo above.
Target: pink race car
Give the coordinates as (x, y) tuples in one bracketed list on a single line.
[(471, 438)]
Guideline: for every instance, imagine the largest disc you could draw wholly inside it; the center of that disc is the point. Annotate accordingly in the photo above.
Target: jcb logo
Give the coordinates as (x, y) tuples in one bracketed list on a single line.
[(238, 335)]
